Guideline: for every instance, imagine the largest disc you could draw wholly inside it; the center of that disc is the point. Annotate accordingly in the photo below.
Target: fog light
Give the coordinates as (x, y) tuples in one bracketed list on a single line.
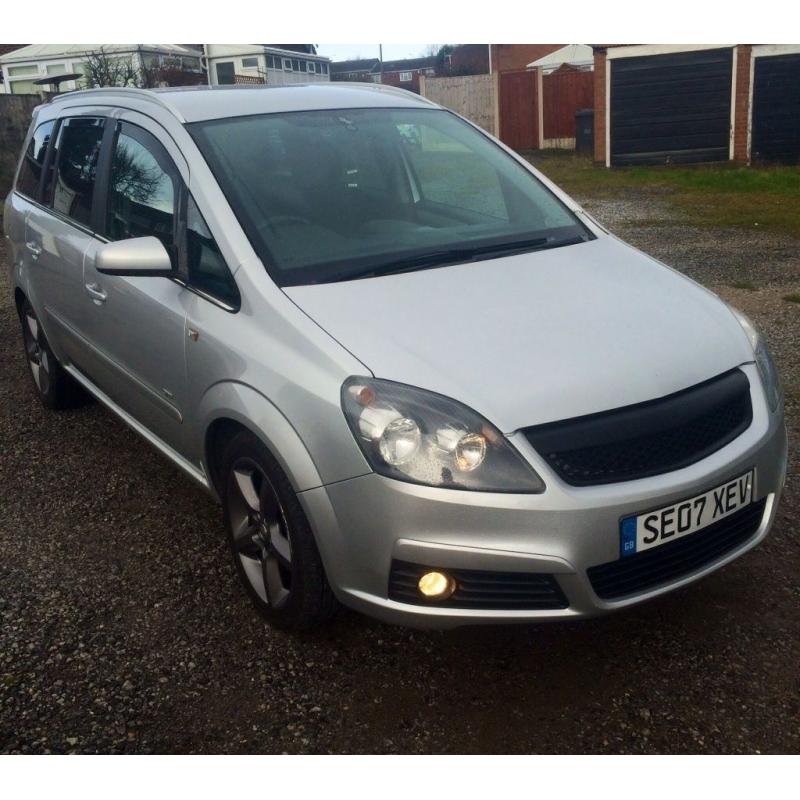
[(436, 585)]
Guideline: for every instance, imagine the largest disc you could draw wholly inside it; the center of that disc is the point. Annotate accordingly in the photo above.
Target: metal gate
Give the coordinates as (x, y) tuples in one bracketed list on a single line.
[(519, 110), (776, 108), (671, 108)]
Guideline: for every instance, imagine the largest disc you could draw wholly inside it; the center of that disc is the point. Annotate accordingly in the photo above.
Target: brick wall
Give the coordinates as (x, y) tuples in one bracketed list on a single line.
[(743, 54), (518, 56), (15, 117), (600, 65), (393, 79)]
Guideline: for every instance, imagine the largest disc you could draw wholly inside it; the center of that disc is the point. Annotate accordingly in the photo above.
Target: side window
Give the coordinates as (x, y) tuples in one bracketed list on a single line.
[(141, 189), (78, 148), (30, 172), (208, 271)]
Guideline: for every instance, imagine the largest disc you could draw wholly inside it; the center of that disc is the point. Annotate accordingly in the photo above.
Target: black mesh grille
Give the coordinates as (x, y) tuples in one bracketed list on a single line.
[(648, 438), (479, 589), (669, 562)]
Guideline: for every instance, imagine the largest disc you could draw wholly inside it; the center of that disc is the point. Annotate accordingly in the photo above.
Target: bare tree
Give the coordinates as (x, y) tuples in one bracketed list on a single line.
[(104, 69)]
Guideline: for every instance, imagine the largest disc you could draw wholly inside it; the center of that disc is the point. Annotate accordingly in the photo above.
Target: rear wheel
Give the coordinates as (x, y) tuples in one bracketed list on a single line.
[(271, 541), (56, 389)]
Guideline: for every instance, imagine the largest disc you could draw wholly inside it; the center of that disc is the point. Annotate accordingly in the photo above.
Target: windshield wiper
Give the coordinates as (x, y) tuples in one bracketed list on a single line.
[(453, 255)]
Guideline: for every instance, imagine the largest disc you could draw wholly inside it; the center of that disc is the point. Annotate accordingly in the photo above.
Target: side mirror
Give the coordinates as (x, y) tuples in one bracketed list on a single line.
[(142, 256)]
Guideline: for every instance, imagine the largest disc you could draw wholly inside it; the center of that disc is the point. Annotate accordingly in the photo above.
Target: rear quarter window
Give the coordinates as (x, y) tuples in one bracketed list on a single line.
[(30, 173)]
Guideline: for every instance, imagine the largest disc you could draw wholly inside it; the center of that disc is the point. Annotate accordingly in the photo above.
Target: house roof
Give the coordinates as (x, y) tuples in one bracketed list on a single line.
[(356, 65), (575, 54), (374, 65), (406, 64), (41, 52)]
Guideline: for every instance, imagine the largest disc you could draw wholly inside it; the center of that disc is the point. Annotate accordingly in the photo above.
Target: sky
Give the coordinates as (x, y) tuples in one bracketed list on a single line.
[(342, 52)]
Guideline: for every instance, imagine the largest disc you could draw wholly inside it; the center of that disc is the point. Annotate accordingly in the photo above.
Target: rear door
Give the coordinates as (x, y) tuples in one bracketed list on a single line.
[(59, 230), (138, 323), (26, 193)]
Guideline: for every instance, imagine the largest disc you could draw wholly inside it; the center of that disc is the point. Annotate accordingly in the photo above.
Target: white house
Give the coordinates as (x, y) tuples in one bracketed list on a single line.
[(264, 63), (27, 64)]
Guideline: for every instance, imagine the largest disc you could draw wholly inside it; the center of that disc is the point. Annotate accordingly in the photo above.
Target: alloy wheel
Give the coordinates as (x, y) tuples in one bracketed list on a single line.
[(36, 351), (260, 532)]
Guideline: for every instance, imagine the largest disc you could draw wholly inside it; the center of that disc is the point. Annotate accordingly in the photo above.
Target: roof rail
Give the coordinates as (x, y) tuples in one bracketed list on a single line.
[(379, 87), (116, 91)]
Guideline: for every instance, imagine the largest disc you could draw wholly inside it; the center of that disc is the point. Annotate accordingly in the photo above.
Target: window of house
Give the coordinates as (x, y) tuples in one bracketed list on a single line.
[(24, 87), (296, 64), (311, 66), (56, 69), (287, 64), (82, 68), (30, 69), (405, 77), (78, 149), (142, 189), (250, 63), (207, 269), (324, 66), (273, 63), (30, 173)]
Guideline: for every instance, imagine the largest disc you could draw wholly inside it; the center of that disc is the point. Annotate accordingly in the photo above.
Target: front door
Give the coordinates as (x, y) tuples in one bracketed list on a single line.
[(138, 323), (225, 73)]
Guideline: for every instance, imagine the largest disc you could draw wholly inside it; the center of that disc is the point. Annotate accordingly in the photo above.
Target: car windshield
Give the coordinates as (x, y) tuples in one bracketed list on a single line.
[(341, 194)]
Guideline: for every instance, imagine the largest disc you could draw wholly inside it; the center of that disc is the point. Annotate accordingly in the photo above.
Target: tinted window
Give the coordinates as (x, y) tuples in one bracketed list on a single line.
[(324, 195), (141, 192), (78, 149), (208, 271), (33, 161)]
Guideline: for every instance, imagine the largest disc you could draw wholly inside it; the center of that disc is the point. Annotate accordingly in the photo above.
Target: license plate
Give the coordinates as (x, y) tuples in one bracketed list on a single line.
[(645, 531)]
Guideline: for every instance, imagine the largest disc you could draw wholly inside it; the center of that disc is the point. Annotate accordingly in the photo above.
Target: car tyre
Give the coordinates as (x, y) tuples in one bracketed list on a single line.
[(273, 547), (53, 385)]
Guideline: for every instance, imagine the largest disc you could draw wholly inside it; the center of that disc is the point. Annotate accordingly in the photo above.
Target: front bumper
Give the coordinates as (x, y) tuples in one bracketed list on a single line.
[(364, 523)]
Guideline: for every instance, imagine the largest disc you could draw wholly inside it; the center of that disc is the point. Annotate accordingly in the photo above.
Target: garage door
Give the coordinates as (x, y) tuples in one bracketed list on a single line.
[(673, 108), (776, 108)]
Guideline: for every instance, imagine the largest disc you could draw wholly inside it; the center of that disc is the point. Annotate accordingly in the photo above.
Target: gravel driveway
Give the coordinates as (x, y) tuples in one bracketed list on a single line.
[(122, 628)]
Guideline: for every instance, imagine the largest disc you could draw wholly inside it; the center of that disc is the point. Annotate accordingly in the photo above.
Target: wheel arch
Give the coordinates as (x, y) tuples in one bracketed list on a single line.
[(230, 407)]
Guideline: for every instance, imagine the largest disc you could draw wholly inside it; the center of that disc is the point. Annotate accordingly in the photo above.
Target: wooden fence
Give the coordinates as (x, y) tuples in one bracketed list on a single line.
[(472, 96), (564, 93), (526, 109), (15, 117)]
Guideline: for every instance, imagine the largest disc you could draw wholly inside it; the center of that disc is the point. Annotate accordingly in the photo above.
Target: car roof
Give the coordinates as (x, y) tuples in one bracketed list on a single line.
[(196, 103)]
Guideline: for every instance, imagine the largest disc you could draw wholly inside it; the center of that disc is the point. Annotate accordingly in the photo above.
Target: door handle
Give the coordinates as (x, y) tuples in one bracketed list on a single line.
[(96, 293), (36, 251)]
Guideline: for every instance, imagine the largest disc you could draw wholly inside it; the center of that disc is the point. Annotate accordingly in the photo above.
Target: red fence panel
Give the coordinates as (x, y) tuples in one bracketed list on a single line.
[(564, 93), (519, 110)]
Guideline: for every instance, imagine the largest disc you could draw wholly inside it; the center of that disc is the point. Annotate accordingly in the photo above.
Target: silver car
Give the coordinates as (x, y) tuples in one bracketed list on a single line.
[(421, 380)]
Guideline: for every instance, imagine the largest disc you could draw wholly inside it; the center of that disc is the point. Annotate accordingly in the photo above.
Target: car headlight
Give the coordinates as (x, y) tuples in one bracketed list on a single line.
[(418, 436), (763, 359)]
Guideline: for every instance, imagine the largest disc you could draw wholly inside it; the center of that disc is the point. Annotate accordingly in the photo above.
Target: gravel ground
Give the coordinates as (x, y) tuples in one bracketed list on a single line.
[(122, 629)]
